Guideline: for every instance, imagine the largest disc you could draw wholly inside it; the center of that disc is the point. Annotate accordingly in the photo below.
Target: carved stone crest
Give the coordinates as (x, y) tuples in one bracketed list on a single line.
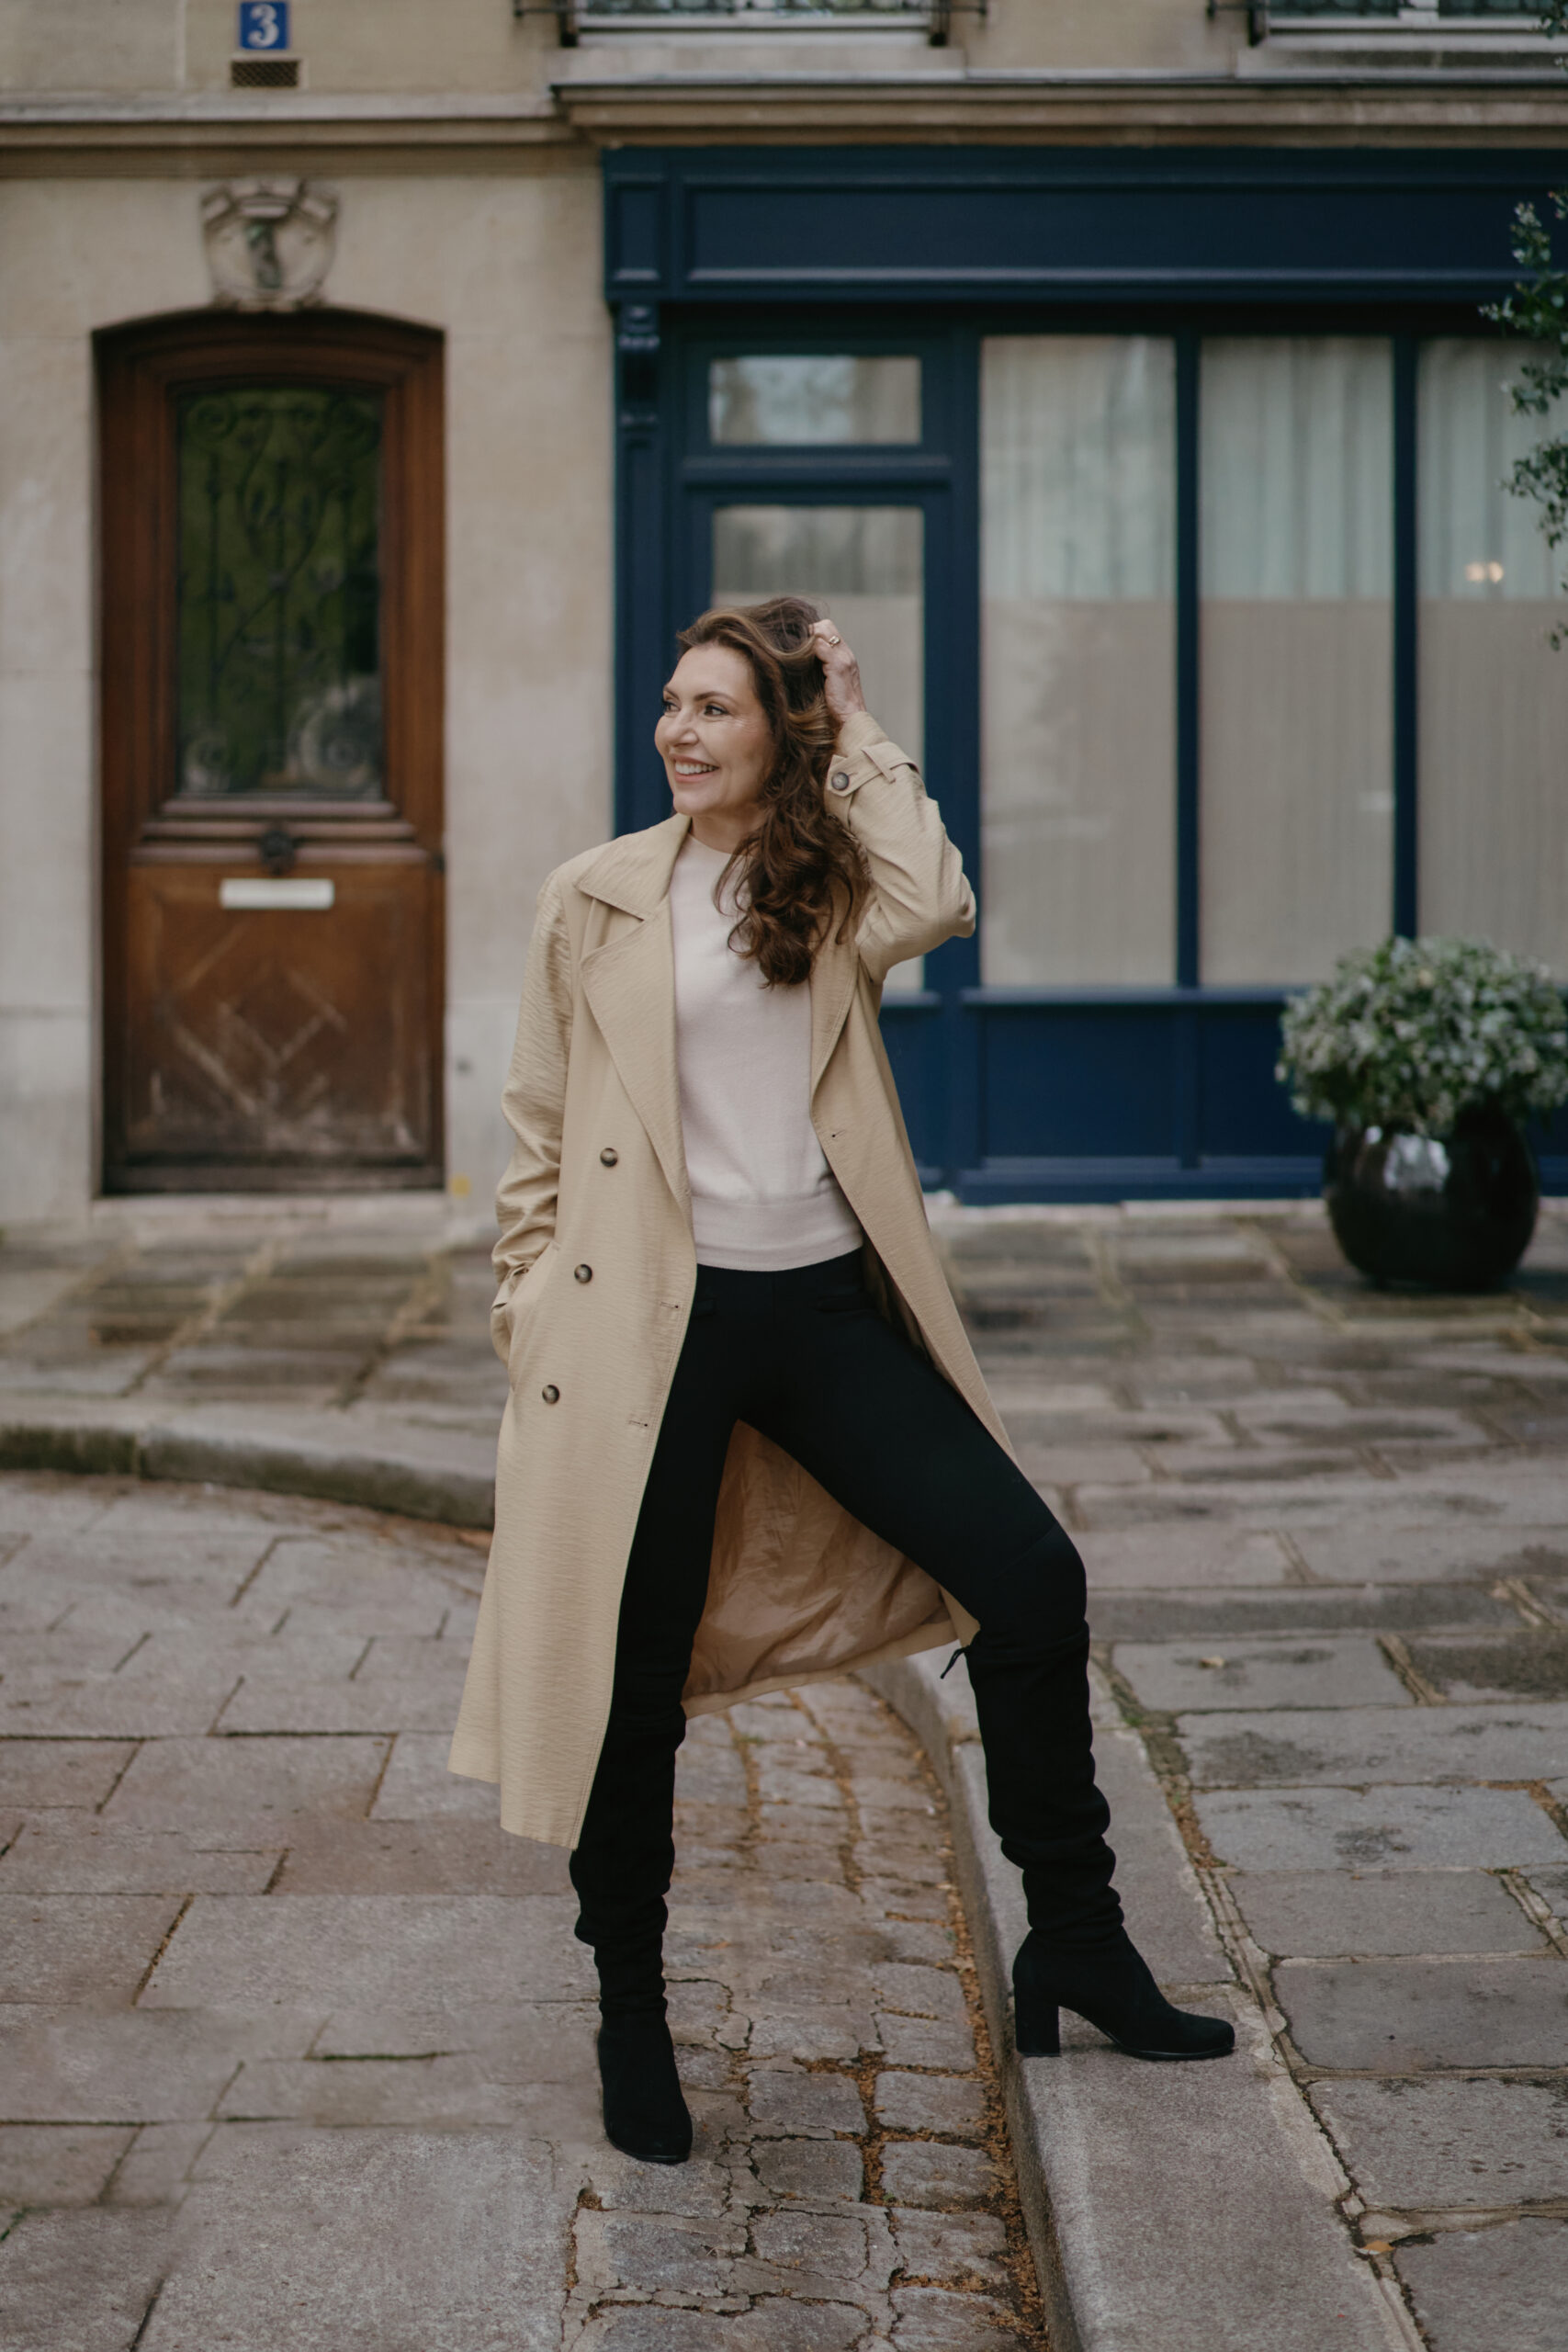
[(269, 242)]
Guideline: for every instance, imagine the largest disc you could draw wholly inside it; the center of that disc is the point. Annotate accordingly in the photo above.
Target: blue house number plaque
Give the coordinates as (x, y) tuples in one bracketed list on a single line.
[(264, 25)]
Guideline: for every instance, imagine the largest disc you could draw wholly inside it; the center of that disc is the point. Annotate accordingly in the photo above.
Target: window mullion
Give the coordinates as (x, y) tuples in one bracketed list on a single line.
[(1186, 661), (1406, 704)]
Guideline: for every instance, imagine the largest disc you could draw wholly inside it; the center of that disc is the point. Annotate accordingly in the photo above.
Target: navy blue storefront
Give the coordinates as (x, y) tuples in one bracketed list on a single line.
[(1163, 486)]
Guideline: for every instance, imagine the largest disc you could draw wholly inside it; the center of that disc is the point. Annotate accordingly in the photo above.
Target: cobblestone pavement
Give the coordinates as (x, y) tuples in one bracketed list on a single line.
[(292, 2029), (1327, 1544)]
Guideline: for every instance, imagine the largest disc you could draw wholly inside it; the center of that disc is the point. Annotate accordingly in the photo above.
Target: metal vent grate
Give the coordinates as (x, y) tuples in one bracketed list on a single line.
[(264, 73)]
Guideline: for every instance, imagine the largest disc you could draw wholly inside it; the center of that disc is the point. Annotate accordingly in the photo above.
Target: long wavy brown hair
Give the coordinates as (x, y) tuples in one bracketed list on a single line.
[(802, 870)]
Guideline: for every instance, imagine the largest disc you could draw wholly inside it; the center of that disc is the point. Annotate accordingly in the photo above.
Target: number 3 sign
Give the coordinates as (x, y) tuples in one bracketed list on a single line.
[(263, 24)]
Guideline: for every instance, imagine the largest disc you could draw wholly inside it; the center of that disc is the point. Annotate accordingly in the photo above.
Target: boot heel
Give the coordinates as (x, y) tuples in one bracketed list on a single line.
[(1037, 2026)]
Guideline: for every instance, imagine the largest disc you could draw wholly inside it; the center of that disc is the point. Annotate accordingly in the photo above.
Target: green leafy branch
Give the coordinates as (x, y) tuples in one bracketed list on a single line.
[(1538, 309)]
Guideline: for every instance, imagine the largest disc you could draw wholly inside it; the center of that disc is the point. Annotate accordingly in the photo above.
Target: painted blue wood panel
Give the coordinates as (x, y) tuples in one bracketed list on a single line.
[(1106, 224), (1062, 1079)]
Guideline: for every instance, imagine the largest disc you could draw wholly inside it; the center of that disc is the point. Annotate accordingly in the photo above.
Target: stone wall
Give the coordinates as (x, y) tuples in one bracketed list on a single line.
[(508, 268)]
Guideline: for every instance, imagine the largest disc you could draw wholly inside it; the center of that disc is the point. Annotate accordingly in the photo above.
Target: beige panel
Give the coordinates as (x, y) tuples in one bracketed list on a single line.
[(92, 44), (1078, 841), (1494, 737), (1150, 33), (1297, 807)]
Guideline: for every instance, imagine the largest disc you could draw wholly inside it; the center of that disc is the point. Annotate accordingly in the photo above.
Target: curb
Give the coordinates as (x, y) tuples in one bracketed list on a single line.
[(379, 1470), (1191, 2207)]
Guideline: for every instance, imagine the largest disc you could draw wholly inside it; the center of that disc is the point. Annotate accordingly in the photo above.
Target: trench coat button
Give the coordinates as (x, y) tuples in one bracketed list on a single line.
[(550, 1393), (840, 783), (608, 1157), (582, 1273)]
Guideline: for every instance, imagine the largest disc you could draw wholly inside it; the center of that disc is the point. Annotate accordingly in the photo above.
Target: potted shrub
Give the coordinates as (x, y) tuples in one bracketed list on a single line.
[(1428, 1054)]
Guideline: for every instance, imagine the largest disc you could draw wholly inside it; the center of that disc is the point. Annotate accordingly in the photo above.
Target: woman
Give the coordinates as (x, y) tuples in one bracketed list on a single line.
[(747, 1443)]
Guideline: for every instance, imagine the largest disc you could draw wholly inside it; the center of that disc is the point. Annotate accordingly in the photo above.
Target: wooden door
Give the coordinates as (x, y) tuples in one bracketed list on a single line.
[(272, 652)]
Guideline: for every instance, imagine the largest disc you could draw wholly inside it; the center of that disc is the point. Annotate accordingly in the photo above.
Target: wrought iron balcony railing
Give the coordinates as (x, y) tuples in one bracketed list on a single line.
[(1413, 12), (1415, 17), (933, 17)]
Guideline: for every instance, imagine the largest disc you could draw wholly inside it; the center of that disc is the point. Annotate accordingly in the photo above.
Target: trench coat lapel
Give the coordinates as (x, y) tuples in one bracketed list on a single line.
[(833, 976), (629, 982)]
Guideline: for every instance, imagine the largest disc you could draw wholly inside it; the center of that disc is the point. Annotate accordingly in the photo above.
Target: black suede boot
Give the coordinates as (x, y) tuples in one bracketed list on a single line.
[(646, 2113), (1110, 1986), (621, 1869)]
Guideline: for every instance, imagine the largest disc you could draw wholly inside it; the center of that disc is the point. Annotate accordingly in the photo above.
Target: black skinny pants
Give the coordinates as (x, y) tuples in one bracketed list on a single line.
[(805, 1358)]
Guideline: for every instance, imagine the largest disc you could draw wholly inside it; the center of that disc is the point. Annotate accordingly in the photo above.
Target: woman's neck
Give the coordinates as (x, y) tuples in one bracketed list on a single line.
[(723, 829)]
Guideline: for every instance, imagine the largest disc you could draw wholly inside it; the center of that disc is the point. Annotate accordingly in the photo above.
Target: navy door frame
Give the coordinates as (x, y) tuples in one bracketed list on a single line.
[(1030, 1093)]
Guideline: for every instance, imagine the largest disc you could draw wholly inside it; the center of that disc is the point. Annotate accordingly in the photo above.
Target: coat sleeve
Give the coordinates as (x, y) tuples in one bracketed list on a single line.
[(533, 1100), (920, 894)]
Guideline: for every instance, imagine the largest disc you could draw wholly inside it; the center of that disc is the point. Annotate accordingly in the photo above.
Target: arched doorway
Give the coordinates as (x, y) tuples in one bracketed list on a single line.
[(272, 662)]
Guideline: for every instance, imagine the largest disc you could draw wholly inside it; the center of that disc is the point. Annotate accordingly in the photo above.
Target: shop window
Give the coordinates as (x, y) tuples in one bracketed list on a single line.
[(812, 399), (1078, 588), (1494, 694), (1296, 566)]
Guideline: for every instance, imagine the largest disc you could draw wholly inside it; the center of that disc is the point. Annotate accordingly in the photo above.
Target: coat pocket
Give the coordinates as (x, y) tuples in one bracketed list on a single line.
[(520, 1310)]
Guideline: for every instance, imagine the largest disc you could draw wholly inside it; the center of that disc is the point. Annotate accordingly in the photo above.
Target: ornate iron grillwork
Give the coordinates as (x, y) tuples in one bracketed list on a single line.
[(279, 593), (933, 17), (1399, 8)]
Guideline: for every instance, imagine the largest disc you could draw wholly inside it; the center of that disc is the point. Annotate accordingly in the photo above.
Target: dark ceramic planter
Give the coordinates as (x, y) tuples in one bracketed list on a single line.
[(1454, 1212)]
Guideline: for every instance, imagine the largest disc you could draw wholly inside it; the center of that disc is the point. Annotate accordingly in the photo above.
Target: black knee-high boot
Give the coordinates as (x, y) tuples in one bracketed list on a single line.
[(1031, 1683), (621, 1869)]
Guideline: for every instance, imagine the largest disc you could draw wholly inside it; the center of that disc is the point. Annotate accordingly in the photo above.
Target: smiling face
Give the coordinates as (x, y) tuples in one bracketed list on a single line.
[(715, 744)]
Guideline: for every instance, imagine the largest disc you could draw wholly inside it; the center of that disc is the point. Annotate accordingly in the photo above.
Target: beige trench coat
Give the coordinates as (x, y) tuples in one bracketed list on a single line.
[(598, 1270)]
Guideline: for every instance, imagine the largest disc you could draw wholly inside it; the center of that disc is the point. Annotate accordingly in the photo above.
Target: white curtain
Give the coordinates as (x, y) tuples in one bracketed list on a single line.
[(1296, 497), (1494, 697), (814, 399), (1078, 440)]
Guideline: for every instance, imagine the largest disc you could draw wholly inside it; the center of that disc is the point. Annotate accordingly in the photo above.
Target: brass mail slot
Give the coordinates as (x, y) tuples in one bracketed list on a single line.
[(299, 893)]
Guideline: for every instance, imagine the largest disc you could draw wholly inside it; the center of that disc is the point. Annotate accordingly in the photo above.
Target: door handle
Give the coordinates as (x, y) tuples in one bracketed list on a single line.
[(277, 850)]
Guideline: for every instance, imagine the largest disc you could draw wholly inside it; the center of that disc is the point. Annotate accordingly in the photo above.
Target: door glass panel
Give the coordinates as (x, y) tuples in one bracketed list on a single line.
[(1079, 573), (865, 565), (765, 398), (1494, 694), (1297, 568), (279, 592)]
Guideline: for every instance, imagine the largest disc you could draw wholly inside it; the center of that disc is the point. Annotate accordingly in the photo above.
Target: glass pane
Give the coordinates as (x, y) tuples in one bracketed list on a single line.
[(1297, 557), (279, 593), (866, 566), (1494, 713), (764, 397), (1078, 527)]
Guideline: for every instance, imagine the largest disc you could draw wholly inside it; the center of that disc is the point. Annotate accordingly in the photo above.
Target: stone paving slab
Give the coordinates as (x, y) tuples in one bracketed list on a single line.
[(1385, 1828), (1321, 1915), (1334, 1673), (1358, 1745), (1402, 2016), (1503, 2286), (1449, 2143)]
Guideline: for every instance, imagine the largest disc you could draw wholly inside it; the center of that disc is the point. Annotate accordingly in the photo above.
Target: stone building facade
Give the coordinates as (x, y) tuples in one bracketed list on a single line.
[(380, 384)]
